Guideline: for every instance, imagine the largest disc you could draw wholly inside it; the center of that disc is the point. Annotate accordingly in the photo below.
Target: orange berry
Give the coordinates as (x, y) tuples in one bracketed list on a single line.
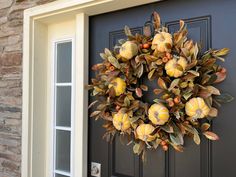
[(171, 103), (165, 147), (186, 122), (112, 68), (163, 143), (165, 59), (117, 107), (146, 46), (223, 70), (168, 55), (177, 100)]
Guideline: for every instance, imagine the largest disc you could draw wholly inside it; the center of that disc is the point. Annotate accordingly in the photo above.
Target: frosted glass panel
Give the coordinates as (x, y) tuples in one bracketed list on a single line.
[(63, 106), (57, 175), (64, 58), (63, 150)]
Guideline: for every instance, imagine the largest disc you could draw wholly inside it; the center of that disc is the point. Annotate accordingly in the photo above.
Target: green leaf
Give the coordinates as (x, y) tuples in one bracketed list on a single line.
[(107, 52), (224, 98), (167, 128), (187, 95), (177, 139), (150, 74), (138, 148), (173, 84), (127, 31), (127, 101), (139, 71), (121, 41), (114, 61), (103, 56), (156, 143), (195, 73), (133, 119)]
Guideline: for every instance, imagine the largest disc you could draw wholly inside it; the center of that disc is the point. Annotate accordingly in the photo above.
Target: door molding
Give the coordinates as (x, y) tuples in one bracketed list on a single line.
[(36, 21)]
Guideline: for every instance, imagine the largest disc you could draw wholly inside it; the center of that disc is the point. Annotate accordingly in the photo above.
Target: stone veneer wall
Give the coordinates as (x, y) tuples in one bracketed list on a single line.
[(11, 34)]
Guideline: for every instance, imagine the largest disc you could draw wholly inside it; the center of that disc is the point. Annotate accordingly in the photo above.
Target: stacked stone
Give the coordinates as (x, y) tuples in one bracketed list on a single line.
[(11, 38)]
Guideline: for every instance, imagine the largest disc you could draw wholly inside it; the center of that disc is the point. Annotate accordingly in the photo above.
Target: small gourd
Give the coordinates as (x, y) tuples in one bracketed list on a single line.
[(197, 108), (128, 50), (144, 132), (119, 85), (162, 42), (158, 114), (176, 67), (121, 121)]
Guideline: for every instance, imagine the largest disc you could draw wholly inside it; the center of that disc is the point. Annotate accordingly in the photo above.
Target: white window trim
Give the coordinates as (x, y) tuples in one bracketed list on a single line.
[(35, 20)]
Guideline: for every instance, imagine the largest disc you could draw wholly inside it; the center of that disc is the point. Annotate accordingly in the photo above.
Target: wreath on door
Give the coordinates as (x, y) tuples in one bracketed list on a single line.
[(186, 97)]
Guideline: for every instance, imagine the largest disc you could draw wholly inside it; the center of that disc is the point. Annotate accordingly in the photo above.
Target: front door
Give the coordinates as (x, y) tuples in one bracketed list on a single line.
[(212, 24)]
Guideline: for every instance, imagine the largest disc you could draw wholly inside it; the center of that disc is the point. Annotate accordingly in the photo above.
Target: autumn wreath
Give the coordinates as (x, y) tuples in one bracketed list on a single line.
[(186, 99)]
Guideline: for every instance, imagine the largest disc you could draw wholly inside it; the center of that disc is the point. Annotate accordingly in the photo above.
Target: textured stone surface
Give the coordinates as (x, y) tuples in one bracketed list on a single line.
[(11, 36)]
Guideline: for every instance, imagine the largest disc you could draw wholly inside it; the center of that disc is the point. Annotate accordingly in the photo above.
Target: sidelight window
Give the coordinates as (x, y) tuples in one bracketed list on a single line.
[(63, 109)]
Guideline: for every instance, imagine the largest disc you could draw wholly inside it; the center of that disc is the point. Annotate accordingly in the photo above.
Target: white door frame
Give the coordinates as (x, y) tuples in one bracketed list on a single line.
[(35, 101)]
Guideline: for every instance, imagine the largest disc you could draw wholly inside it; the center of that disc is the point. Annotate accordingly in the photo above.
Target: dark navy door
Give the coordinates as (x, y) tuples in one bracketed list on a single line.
[(210, 22)]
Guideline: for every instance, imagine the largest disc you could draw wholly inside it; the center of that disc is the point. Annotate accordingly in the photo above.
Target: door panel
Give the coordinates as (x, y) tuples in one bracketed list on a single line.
[(211, 28)]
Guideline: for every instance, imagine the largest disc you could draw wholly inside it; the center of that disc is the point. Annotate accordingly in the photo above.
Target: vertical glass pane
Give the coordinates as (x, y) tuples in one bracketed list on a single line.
[(64, 58), (63, 106), (57, 175), (63, 150)]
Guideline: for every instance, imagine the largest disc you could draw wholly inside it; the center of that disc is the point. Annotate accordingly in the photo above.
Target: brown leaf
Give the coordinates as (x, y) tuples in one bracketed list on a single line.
[(144, 87), (147, 31), (210, 135), (181, 25), (213, 90), (92, 104), (213, 112), (178, 148), (95, 113), (196, 137), (157, 91), (112, 92), (138, 92), (157, 20), (220, 77), (222, 52), (205, 126), (161, 83)]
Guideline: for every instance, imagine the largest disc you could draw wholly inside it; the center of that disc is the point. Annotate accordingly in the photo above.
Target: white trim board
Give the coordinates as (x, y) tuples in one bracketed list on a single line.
[(36, 22)]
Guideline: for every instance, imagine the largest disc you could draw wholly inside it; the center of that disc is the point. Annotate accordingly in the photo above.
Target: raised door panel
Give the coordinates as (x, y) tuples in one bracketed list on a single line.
[(196, 158)]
